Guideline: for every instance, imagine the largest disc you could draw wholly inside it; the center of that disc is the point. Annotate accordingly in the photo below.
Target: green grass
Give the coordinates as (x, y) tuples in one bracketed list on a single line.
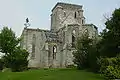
[(50, 74)]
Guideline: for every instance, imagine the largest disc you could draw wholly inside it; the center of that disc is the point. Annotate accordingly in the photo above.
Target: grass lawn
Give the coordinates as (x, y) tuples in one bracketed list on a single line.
[(50, 74)]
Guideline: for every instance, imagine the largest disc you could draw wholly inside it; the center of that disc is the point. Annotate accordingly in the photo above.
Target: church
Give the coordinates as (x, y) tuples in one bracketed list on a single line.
[(53, 48)]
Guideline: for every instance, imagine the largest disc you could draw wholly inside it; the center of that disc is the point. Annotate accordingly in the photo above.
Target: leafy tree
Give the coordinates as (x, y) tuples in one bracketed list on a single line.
[(15, 57), (86, 54), (109, 47), (17, 61), (93, 55), (110, 43), (82, 50), (8, 40)]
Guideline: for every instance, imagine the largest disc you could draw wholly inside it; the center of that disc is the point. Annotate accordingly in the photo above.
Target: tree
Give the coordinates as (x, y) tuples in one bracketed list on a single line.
[(86, 54), (17, 61), (8, 41), (82, 51), (110, 43), (15, 57)]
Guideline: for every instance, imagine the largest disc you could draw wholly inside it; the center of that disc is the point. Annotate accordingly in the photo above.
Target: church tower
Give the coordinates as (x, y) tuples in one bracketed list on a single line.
[(64, 14)]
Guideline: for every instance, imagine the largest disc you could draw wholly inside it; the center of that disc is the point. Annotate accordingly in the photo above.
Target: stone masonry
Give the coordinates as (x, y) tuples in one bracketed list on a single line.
[(53, 48)]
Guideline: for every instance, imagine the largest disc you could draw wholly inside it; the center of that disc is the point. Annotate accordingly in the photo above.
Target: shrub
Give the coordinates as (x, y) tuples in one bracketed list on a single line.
[(110, 68), (17, 61), (112, 73), (80, 60)]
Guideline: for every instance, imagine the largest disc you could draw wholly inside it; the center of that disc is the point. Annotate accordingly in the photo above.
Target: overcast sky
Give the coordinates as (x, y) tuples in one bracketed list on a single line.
[(14, 12)]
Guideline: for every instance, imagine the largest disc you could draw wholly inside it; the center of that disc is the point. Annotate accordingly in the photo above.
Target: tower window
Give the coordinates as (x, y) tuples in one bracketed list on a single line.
[(75, 15), (82, 21)]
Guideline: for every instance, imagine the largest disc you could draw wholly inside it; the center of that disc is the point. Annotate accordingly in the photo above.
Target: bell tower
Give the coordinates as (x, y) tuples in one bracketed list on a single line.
[(65, 14)]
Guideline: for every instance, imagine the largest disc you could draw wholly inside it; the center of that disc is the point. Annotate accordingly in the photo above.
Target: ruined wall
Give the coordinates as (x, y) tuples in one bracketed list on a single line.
[(37, 57), (92, 30)]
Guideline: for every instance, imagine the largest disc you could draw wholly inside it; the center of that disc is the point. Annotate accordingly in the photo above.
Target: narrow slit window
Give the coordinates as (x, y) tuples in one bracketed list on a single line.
[(33, 46), (75, 15), (82, 21)]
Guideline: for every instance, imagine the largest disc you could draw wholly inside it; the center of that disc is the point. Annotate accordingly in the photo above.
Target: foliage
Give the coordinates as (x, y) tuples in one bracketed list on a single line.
[(1, 64), (86, 53), (82, 51), (112, 73), (110, 68), (8, 40), (15, 57), (92, 58), (17, 61), (110, 43)]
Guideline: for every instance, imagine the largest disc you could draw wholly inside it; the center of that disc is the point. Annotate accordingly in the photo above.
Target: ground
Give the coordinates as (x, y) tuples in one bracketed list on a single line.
[(50, 74)]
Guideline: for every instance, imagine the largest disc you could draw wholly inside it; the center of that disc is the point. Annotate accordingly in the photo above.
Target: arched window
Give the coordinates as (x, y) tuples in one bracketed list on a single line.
[(73, 41), (73, 32), (73, 38), (54, 52), (75, 15)]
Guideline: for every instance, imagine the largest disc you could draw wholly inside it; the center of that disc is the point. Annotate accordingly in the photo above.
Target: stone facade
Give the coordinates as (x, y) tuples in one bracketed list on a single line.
[(53, 48)]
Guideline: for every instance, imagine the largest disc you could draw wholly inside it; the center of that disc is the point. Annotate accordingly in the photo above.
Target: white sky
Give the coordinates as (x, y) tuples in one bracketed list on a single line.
[(14, 12)]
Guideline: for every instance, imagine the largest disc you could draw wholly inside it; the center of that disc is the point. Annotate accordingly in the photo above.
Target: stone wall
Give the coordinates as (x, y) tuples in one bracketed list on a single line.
[(67, 24)]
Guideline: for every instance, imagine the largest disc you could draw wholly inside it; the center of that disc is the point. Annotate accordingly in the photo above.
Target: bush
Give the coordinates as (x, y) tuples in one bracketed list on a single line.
[(17, 61), (110, 68), (112, 73), (80, 60), (15, 58)]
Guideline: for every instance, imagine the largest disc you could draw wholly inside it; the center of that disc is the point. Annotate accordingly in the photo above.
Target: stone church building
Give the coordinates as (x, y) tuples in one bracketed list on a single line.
[(54, 47)]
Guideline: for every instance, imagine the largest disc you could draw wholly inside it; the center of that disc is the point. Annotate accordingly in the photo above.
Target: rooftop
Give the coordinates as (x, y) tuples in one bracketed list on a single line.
[(66, 4)]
